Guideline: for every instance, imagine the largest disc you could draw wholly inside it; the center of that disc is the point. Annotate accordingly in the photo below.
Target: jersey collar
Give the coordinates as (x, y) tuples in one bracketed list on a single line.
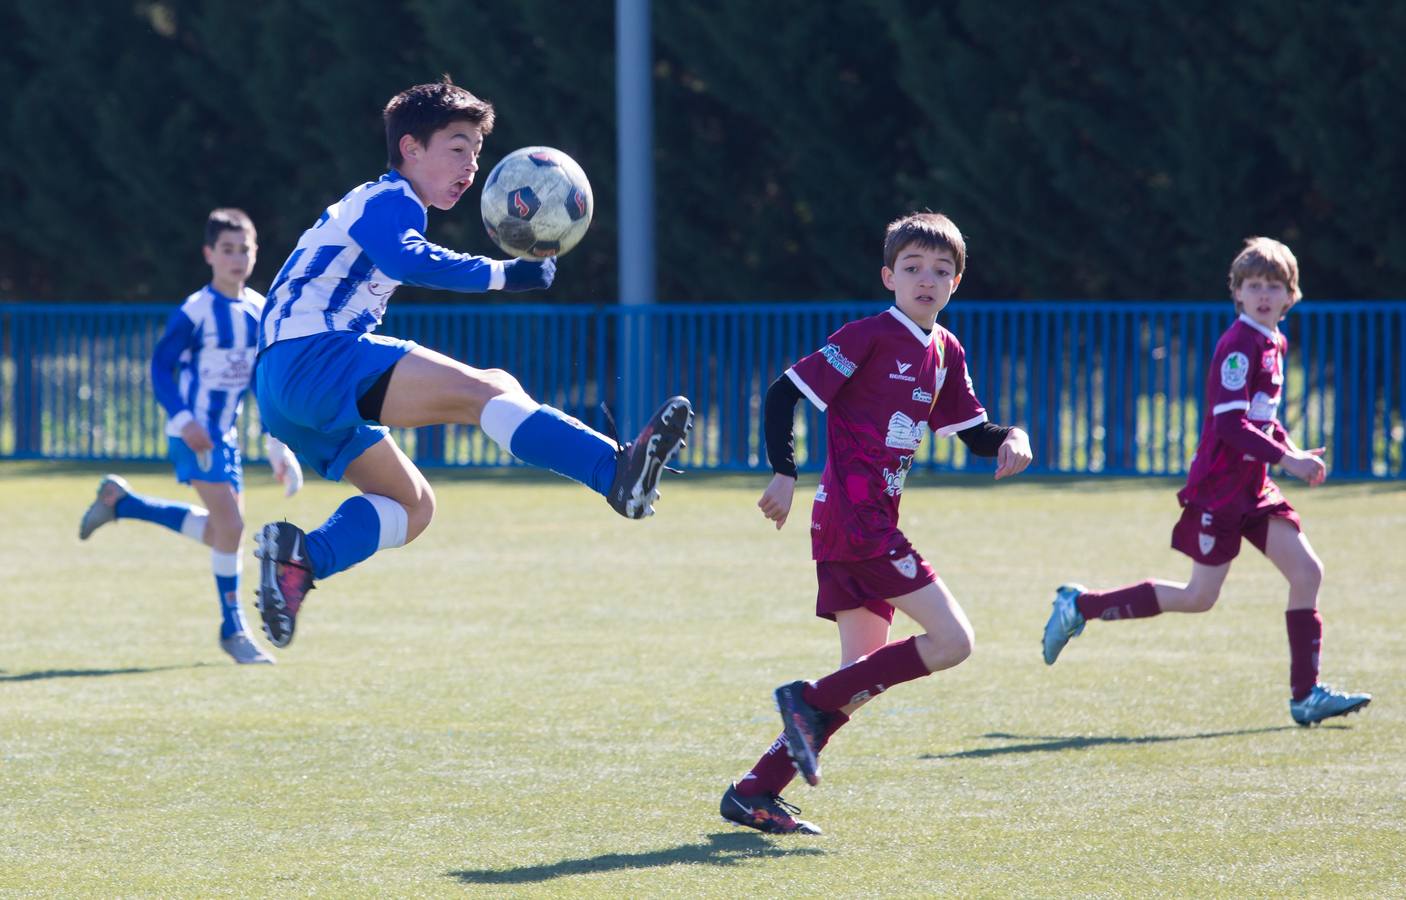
[(923, 337), (393, 176), (1258, 327)]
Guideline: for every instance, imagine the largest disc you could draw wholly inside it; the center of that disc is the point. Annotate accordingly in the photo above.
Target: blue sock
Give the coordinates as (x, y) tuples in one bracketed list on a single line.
[(552, 440), (153, 509), (351, 535)]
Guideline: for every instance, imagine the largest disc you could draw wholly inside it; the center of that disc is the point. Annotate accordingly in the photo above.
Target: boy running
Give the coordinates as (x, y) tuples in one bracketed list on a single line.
[(1229, 494), (200, 372), (329, 387), (882, 381)]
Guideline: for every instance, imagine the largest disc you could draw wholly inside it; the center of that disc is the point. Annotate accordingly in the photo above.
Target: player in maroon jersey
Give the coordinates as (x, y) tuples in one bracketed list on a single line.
[(882, 381), (1229, 494)]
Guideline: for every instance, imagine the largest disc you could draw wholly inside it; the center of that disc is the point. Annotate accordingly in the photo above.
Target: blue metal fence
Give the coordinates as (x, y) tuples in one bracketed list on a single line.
[(1102, 387)]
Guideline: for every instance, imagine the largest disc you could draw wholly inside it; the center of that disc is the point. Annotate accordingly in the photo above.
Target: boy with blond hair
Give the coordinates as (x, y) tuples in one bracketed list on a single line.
[(1229, 494)]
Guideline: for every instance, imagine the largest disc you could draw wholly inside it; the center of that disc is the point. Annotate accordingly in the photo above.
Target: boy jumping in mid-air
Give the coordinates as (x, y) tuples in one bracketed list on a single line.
[(329, 387), (210, 341), (882, 381), (1229, 494)]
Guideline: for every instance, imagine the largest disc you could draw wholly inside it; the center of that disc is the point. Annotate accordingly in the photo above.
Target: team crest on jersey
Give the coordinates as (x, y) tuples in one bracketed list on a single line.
[(907, 566), (1207, 543), (904, 433), (837, 360), (893, 481), (1235, 371)]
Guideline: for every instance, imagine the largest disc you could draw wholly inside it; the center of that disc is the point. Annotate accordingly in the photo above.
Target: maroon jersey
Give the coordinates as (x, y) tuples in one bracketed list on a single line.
[(882, 380), (1241, 435)]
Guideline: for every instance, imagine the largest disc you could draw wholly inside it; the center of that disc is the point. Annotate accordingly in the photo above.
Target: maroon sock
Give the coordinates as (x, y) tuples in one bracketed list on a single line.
[(775, 770), (1305, 641), (869, 675), (1136, 601)]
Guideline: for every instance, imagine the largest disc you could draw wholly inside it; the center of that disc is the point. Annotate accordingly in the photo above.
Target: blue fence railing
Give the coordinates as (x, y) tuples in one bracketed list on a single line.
[(1102, 387)]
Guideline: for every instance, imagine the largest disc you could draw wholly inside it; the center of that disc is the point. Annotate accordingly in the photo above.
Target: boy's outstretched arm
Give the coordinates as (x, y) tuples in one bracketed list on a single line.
[(1240, 433), (390, 230), (778, 422)]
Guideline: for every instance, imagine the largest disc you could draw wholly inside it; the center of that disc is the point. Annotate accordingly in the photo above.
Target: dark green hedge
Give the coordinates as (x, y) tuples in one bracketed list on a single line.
[(1088, 149)]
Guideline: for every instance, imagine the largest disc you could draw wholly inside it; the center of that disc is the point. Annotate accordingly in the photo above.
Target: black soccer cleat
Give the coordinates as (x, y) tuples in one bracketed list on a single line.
[(802, 724), (764, 812), (639, 463), (285, 577)]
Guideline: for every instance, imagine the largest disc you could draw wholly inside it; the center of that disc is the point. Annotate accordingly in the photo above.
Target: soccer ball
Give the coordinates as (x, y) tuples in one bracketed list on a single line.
[(536, 203)]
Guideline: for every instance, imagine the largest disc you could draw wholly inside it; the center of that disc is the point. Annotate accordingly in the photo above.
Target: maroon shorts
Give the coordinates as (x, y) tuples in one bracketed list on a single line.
[(1213, 537), (869, 583)]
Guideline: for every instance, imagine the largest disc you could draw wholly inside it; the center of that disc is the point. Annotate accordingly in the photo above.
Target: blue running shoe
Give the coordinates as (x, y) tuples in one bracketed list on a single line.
[(765, 812), (802, 724), (1065, 621), (1323, 702), (104, 509)]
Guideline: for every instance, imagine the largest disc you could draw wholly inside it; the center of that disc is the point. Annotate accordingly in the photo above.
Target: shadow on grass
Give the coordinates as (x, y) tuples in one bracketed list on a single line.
[(1052, 743), (46, 674), (722, 849)]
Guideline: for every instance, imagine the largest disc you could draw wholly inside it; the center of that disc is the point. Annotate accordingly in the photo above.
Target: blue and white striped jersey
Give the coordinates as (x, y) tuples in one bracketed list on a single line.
[(204, 362), (342, 273)]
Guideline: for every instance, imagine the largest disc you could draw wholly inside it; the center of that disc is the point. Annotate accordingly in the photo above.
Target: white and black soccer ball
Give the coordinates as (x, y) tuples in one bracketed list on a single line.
[(537, 203)]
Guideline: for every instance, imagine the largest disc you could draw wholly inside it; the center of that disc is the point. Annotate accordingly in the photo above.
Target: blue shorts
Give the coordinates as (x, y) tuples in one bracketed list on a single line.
[(224, 463), (308, 388)]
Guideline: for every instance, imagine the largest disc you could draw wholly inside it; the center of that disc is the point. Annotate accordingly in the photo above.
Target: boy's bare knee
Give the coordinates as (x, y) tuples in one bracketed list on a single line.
[(945, 649), (1201, 601), (503, 381), (419, 516)]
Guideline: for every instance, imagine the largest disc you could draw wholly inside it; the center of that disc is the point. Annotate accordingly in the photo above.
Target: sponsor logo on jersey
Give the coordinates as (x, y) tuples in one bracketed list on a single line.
[(904, 433), (820, 495), (837, 360), (893, 481), (921, 395), (1235, 371), (902, 373), (1263, 408), (907, 566)]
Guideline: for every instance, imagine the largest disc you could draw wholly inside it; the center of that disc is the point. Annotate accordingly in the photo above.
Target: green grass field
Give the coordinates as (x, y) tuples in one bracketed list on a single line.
[(538, 698)]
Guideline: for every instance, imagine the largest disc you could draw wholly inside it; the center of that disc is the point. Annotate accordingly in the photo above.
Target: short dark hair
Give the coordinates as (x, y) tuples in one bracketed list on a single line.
[(930, 230), (227, 218), (422, 110)]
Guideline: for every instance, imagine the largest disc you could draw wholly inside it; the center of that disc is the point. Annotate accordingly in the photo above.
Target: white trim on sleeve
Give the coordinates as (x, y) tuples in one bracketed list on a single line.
[(1227, 407), (805, 389), (179, 421), (949, 430)]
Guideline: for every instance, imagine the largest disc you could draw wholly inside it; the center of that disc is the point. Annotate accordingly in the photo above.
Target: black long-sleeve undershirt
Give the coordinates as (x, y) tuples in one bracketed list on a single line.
[(778, 421)]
